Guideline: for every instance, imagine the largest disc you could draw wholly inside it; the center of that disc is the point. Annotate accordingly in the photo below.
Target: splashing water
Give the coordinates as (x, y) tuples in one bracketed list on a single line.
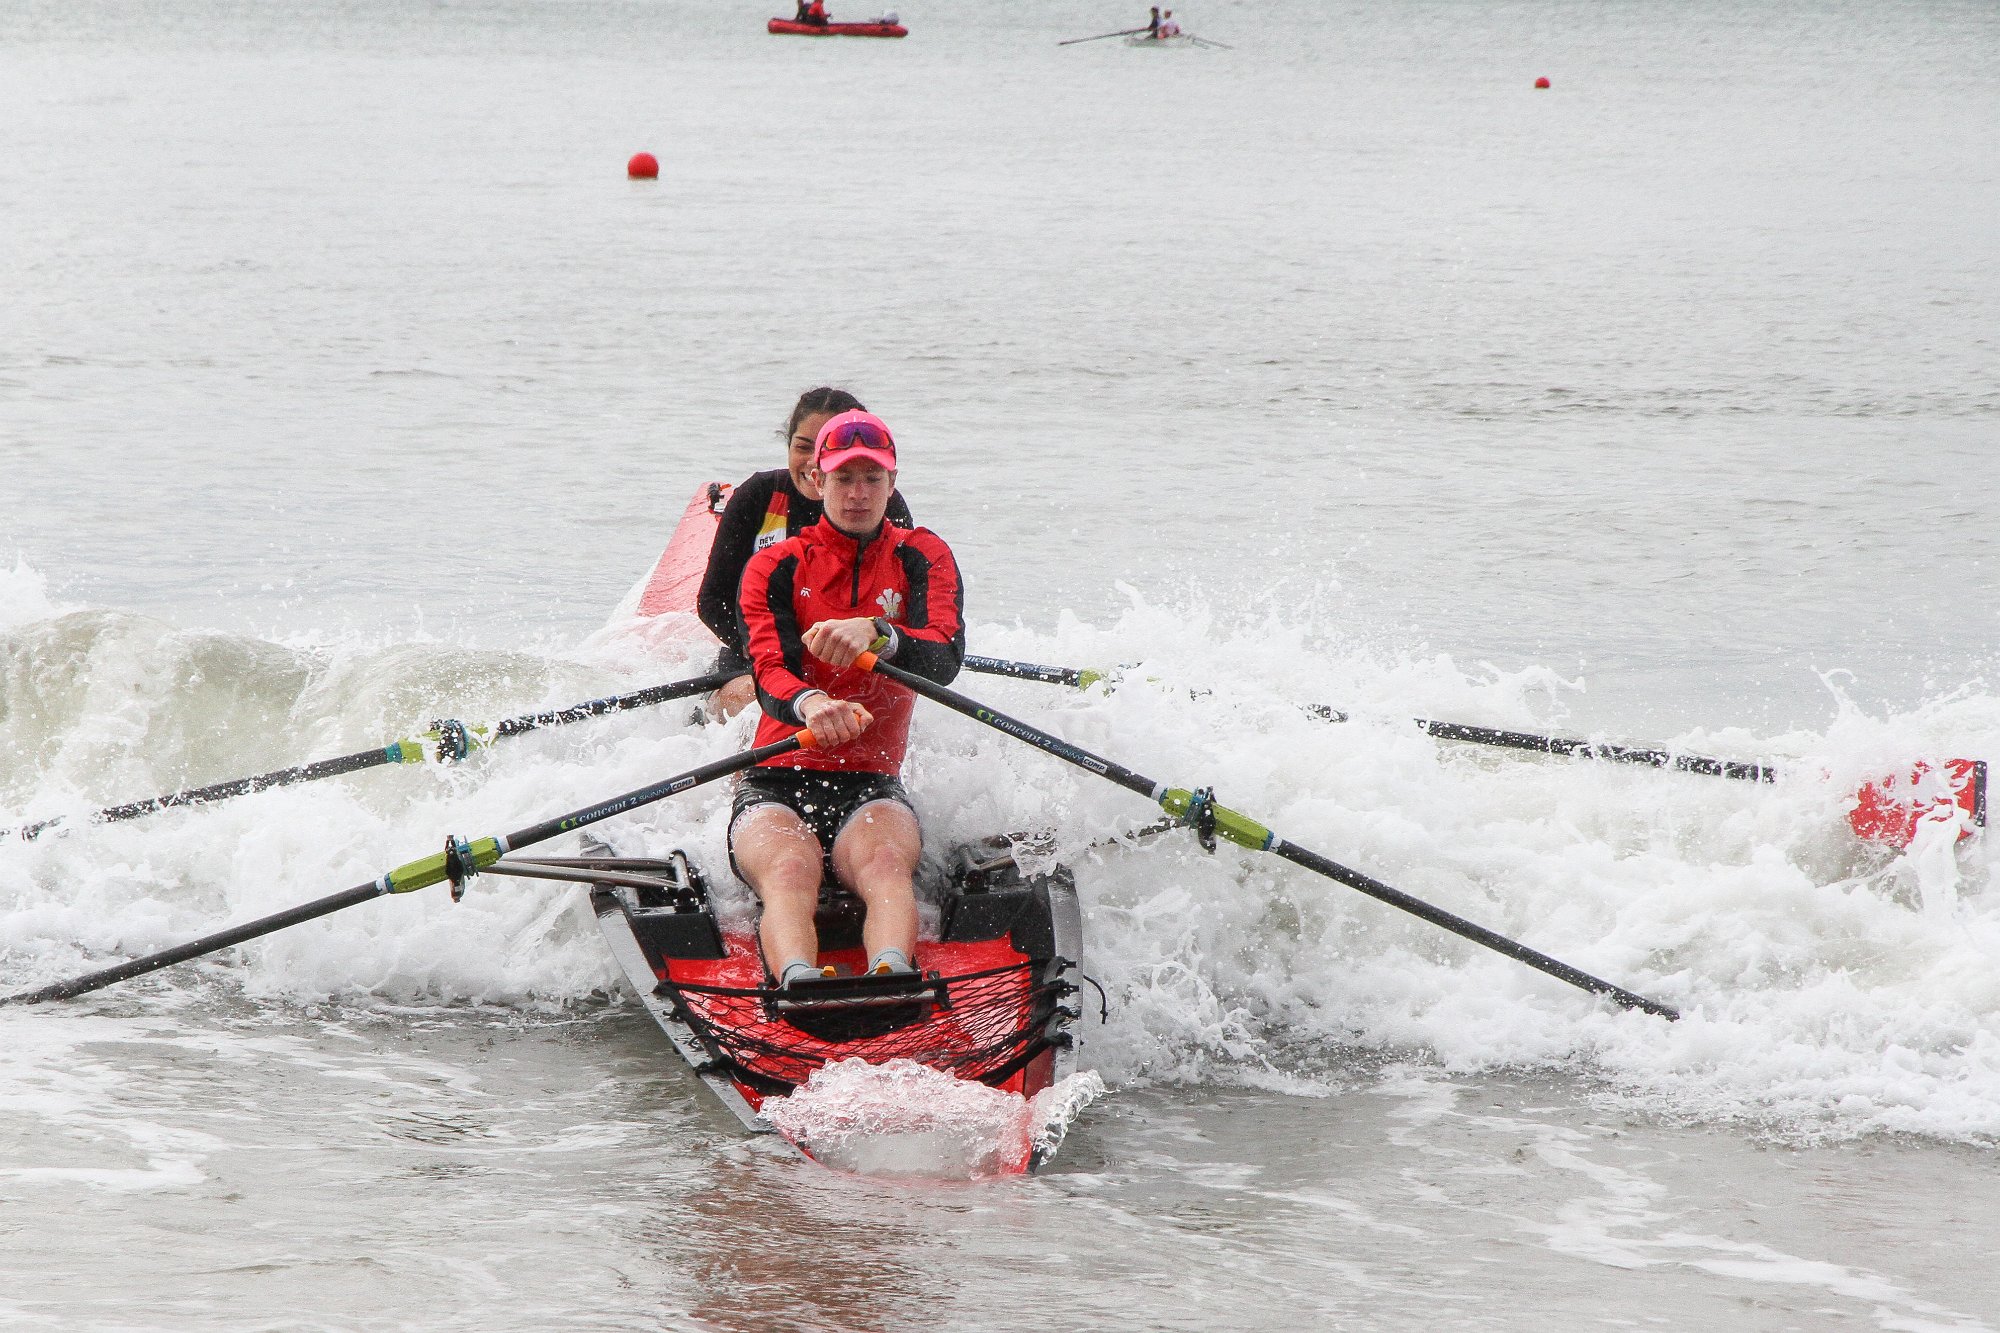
[(1833, 988), (905, 1119)]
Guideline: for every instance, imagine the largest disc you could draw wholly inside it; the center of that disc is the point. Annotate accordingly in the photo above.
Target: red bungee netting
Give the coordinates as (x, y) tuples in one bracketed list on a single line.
[(984, 1025)]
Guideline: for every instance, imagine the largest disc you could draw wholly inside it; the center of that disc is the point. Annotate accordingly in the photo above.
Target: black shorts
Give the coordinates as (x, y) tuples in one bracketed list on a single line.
[(733, 660), (824, 800)]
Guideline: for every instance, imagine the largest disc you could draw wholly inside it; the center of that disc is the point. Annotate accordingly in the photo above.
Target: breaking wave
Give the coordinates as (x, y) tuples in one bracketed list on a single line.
[(1830, 987)]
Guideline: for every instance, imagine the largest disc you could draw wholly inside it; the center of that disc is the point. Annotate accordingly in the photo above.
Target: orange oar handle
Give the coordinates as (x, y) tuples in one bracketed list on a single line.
[(865, 662)]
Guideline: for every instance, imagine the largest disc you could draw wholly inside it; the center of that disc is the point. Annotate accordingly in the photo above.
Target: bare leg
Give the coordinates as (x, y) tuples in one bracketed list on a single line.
[(876, 857), (732, 698), (780, 858)]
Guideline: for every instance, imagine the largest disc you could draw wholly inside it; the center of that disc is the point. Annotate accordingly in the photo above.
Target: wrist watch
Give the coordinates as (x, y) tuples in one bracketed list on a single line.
[(884, 636)]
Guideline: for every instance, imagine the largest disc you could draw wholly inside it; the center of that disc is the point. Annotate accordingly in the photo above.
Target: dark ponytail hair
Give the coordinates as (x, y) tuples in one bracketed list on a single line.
[(822, 399)]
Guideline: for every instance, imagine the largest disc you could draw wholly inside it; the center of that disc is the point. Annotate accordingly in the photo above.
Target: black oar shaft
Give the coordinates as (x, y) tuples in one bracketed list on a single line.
[(222, 939), (632, 800), (616, 703), (1048, 675), (220, 791), (434, 869), (1470, 930), (1245, 832), (1583, 749), (1652, 756), (400, 752), (1021, 731), (1122, 32)]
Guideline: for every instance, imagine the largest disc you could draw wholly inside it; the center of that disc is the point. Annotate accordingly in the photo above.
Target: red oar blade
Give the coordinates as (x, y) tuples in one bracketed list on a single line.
[(1888, 811)]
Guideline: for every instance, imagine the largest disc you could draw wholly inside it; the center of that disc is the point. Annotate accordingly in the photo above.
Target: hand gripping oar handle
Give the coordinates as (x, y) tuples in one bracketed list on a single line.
[(1246, 832), (453, 741), (459, 860)]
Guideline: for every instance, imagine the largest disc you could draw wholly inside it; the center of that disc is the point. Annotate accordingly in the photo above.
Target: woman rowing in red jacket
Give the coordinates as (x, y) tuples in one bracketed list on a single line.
[(854, 582)]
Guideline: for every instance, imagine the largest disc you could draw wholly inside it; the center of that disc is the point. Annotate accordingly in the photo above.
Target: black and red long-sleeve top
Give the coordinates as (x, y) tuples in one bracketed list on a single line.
[(767, 508), (904, 576)]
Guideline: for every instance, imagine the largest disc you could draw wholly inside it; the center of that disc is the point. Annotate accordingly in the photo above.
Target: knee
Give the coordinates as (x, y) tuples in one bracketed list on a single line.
[(788, 874), (895, 859), (889, 866)]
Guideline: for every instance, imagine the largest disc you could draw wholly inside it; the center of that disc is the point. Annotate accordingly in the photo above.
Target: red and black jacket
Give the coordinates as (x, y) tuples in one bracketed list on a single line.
[(905, 576)]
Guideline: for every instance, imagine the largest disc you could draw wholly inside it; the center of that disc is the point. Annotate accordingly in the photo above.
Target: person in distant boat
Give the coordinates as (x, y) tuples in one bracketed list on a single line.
[(764, 510), (1153, 23), (813, 13), (1167, 28), (854, 582)]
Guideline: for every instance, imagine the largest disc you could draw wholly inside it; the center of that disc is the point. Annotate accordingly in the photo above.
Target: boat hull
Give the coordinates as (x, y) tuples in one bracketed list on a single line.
[(1004, 956), (1003, 969), (792, 28)]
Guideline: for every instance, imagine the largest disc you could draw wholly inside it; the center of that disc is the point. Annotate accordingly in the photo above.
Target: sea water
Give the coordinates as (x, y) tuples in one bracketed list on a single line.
[(345, 383)]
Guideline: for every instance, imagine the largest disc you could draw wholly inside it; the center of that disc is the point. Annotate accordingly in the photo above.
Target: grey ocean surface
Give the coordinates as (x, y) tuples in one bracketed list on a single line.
[(344, 378)]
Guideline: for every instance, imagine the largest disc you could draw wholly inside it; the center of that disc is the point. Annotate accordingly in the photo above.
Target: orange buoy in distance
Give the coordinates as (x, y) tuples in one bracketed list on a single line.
[(643, 167), (1539, 83)]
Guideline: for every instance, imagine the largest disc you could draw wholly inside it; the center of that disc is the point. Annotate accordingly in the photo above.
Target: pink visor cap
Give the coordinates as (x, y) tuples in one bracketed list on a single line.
[(851, 436)]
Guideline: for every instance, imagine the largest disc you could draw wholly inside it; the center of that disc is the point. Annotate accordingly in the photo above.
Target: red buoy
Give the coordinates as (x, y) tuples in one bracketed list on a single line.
[(1539, 83), (643, 167)]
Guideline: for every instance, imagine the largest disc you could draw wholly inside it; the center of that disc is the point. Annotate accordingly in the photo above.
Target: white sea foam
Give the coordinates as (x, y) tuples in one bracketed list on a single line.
[(1620, 1214), (59, 1083), (1830, 987), (24, 596), (901, 1118)]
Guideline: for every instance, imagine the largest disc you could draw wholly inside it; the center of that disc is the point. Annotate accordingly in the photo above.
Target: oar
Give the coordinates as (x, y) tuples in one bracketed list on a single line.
[(457, 862), (1582, 749), (1455, 731), (1886, 811), (453, 739), (1122, 32), (1200, 808), (1049, 675), (1203, 41)]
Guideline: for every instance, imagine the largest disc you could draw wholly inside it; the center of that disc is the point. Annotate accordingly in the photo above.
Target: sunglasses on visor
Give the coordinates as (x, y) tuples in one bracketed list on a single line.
[(856, 435)]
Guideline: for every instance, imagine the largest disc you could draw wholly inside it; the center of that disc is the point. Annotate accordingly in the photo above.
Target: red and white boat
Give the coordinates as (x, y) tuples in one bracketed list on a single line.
[(793, 28)]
